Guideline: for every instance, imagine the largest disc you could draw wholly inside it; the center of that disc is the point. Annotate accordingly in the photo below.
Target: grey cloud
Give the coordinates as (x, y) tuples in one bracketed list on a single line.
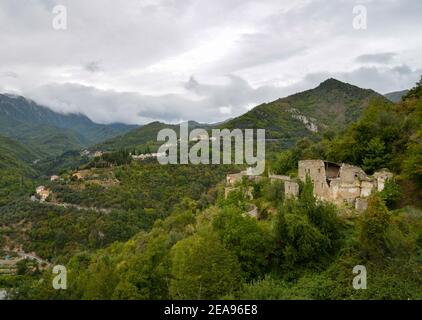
[(106, 106), (237, 93), (9, 74), (381, 79), (376, 57), (403, 70), (213, 103), (93, 66)]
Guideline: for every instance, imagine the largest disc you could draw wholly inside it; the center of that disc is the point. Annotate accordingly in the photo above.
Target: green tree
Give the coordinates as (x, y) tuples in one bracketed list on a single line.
[(415, 92), (391, 193), (146, 274), (376, 155), (243, 235), (202, 268), (374, 223)]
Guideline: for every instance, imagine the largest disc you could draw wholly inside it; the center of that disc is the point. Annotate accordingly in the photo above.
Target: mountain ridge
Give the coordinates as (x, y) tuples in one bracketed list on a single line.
[(331, 105)]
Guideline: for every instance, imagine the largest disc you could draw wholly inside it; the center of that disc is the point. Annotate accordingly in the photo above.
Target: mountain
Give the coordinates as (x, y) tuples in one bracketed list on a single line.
[(331, 105), (143, 137), (48, 132), (396, 96)]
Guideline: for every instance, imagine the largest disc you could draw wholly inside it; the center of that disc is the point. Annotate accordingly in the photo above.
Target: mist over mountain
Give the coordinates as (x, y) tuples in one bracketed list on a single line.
[(48, 132)]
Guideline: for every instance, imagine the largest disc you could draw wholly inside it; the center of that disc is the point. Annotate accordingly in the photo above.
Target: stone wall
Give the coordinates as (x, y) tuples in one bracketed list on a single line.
[(291, 189)]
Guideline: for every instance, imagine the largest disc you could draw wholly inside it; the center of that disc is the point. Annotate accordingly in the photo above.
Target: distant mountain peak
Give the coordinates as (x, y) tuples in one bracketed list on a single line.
[(330, 81), (333, 83)]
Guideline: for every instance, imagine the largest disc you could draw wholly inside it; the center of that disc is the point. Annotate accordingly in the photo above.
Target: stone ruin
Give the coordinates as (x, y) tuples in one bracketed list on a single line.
[(342, 183), (337, 183), (291, 187)]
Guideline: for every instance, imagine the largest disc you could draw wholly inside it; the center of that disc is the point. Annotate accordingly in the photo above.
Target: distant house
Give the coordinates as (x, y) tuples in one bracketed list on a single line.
[(84, 153), (39, 189), (42, 192), (233, 178), (200, 137), (77, 175), (98, 154), (142, 157), (91, 154)]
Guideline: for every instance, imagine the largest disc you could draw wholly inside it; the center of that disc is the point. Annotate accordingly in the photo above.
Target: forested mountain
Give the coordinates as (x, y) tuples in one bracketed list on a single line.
[(331, 105), (48, 132)]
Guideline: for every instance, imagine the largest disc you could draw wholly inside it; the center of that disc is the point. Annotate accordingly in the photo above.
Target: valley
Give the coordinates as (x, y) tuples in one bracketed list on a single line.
[(128, 227)]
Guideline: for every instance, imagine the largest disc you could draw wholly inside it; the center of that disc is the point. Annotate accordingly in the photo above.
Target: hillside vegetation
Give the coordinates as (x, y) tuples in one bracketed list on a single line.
[(15, 170)]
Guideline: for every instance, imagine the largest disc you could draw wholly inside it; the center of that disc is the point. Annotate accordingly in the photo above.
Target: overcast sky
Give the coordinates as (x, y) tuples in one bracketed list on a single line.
[(136, 61)]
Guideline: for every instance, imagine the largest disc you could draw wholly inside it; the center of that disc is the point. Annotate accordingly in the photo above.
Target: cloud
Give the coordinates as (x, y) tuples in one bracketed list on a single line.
[(135, 67), (9, 74), (382, 58), (93, 66), (211, 102)]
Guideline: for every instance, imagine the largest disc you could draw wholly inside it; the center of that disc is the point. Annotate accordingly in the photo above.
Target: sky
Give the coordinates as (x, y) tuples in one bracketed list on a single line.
[(137, 61)]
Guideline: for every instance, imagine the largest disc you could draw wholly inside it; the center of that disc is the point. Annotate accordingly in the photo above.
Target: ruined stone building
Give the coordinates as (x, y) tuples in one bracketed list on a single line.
[(234, 178), (342, 183), (291, 187)]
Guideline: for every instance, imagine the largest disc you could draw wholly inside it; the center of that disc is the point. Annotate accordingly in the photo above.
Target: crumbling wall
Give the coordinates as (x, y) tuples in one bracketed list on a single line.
[(291, 189)]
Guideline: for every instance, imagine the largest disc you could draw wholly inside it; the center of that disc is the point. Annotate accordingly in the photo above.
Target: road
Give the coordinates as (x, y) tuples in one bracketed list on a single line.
[(33, 257)]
